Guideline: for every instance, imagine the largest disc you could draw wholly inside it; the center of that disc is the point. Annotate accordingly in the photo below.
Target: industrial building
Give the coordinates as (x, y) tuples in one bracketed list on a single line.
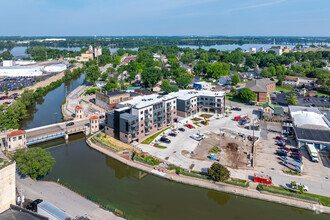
[(136, 119), (90, 54), (310, 126), (11, 68)]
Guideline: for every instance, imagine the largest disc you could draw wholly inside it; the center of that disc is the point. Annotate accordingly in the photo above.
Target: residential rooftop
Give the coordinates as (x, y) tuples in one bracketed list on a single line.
[(258, 85)]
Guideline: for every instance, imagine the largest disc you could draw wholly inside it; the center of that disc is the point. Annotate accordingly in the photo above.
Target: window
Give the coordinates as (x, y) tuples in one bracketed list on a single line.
[(8, 139), (141, 131), (14, 138), (141, 112), (141, 119), (141, 125)]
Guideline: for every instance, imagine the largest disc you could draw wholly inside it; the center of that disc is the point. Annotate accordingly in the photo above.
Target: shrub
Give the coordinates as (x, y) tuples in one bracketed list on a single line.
[(218, 172)]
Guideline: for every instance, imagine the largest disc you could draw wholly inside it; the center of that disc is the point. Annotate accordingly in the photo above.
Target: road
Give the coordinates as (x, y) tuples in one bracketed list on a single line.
[(61, 197)]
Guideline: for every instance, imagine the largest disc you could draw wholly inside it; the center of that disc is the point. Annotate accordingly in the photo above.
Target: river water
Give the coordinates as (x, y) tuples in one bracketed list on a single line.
[(138, 195)]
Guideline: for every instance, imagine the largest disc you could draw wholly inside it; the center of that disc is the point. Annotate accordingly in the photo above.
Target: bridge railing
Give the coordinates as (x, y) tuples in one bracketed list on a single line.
[(45, 137)]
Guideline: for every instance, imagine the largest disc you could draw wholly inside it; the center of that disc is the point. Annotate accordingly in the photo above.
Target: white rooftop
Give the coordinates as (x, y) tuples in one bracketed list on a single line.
[(188, 94), (147, 100), (311, 118)]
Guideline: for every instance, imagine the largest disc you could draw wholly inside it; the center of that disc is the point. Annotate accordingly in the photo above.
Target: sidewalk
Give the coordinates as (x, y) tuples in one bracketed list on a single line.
[(62, 197)]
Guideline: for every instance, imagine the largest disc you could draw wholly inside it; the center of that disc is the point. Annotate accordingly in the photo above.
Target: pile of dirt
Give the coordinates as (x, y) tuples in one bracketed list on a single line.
[(232, 146)]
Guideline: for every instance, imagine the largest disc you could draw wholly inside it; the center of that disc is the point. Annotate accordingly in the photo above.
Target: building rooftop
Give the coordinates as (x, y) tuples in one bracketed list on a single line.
[(79, 107), (17, 213), (115, 92), (188, 94), (54, 210), (258, 85), (16, 133), (147, 100), (94, 117), (310, 123)]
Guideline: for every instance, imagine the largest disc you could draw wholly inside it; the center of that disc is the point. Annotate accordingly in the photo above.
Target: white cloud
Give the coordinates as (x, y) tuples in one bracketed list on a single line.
[(250, 6)]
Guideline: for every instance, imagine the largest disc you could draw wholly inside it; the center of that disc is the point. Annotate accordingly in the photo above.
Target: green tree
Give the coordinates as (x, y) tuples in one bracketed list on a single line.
[(218, 172), (292, 99), (235, 79), (200, 67), (151, 76), (6, 55), (216, 70), (34, 162), (168, 88), (93, 73), (247, 95), (184, 80), (112, 84)]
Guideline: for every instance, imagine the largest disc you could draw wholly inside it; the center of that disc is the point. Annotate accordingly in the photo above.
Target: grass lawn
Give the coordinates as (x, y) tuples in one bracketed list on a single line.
[(284, 88), (322, 93), (324, 200), (160, 146), (152, 137), (112, 143)]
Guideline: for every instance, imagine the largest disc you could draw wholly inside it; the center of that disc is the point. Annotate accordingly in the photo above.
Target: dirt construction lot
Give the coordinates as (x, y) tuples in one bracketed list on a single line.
[(234, 150)]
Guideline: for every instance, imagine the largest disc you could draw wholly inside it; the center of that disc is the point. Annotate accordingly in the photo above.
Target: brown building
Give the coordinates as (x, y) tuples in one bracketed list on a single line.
[(109, 100), (297, 82), (262, 88)]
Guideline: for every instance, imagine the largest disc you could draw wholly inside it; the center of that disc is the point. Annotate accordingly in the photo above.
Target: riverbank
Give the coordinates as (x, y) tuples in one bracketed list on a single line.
[(247, 192)]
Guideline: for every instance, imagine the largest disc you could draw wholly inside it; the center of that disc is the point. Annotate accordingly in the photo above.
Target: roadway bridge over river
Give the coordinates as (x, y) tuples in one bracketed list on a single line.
[(53, 131)]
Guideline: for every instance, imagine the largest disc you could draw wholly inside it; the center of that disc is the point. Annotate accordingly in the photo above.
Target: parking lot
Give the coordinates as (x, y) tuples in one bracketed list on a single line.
[(313, 101), (16, 83), (315, 175)]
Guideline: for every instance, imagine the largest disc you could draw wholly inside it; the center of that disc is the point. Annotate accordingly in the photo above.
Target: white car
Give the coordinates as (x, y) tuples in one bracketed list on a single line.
[(196, 137), (303, 186)]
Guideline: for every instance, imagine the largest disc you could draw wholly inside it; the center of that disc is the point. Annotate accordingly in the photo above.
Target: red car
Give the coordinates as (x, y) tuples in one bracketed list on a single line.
[(296, 153), (8, 103), (306, 99), (189, 126)]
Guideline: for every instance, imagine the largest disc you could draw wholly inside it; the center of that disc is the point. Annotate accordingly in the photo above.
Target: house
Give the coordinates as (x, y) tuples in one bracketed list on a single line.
[(297, 82), (243, 77), (202, 85), (156, 88), (100, 84), (262, 88), (225, 80), (12, 140), (128, 59), (271, 110)]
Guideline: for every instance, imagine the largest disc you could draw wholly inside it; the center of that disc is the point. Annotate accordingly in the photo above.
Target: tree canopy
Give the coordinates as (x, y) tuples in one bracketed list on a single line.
[(34, 162), (235, 79), (218, 172), (151, 76), (92, 73), (246, 95)]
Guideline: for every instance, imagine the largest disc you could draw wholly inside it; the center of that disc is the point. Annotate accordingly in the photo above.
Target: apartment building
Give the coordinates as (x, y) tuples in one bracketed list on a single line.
[(297, 82), (143, 115), (136, 119)]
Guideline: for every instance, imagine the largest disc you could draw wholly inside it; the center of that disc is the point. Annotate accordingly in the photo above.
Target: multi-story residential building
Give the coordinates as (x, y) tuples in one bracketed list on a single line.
[(296, 82), (141, 116), (136, 119)]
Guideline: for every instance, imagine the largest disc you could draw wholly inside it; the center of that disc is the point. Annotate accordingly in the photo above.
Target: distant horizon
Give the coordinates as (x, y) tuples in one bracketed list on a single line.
[(165, 18), (190, 36)]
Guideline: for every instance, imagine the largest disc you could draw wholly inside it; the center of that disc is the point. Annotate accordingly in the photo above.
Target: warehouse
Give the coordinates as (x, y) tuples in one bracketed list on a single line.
[(310, 126), (21, 71)]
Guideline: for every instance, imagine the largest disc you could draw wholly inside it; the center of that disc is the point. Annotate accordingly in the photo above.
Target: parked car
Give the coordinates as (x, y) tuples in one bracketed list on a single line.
[(198, 137), (181, 129), (189, 126), (281, 138), (296, 153), (165, 140), (237, 109), (70, 124), (285, 148), (294, 149), (281, 153), (283, 158), (280, 143), (172, 134)]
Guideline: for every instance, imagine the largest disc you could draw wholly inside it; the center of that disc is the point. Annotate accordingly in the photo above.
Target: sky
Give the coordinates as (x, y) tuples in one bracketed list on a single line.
[(165, 17)]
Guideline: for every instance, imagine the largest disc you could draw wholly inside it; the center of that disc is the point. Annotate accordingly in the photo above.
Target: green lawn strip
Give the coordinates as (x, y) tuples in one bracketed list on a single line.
[(323, 93), (292, 193), (284, 88), (238, 182), (146, 159), (233, 98), (195, 123), (152, 137), (214, 150), (84, 101), (291, 172), (160, 146)]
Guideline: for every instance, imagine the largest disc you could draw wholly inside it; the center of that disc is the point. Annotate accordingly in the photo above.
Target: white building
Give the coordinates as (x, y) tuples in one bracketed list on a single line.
[(21, 71), (55, 68), (253, 50), (7, 63), (310, 126)]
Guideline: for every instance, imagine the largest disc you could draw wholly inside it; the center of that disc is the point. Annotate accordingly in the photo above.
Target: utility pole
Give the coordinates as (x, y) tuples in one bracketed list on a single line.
[(252, 160), (220, 139)]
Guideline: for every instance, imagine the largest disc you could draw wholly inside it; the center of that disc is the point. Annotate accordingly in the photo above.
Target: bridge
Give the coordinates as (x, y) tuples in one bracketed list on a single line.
[(58, 130)]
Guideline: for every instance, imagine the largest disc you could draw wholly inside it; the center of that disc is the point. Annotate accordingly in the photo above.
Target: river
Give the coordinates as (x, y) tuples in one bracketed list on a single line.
[(138, 195)]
